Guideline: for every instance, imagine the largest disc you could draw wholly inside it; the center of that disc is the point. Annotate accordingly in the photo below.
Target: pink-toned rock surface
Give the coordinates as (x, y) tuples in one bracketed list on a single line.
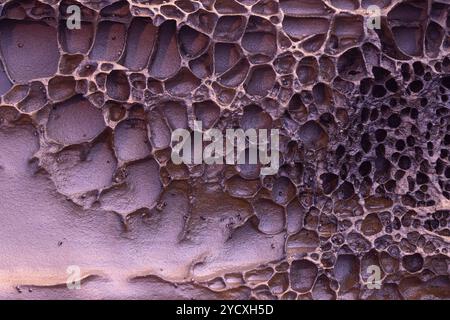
[(86, 178)]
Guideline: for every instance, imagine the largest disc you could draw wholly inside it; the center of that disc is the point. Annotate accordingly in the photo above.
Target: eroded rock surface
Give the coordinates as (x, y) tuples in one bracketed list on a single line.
[(87, 180)]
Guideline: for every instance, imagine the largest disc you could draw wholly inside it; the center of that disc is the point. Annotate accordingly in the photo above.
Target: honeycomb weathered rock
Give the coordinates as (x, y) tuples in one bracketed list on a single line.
[(87, 179)]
